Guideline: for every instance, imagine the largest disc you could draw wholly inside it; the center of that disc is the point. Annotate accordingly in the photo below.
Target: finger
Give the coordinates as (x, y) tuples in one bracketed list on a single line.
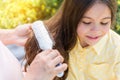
[(57, 51), (60, 68), (22, 42), (57, 60), (28, 28), (52, 54), (45, 52)]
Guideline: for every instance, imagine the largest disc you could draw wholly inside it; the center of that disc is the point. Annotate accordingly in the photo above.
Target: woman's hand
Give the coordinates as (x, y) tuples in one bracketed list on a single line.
[(17, 36), (22, 33), (44, 67)]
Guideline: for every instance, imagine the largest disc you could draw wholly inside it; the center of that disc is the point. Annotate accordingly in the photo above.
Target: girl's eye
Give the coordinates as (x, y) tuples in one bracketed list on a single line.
[(86, 22), (102, 23)]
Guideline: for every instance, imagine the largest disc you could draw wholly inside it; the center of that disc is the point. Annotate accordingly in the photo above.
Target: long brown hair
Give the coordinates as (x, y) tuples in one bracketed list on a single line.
[(63, 26)]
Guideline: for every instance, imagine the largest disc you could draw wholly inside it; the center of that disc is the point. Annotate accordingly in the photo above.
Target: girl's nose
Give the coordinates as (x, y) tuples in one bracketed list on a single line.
[(95, 28)]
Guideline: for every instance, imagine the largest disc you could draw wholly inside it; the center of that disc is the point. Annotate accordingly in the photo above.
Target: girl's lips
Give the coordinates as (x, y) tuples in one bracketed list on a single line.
[(92, 38)]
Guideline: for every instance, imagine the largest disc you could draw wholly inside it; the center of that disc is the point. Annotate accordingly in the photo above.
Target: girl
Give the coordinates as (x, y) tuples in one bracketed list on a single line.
[(82, 33)]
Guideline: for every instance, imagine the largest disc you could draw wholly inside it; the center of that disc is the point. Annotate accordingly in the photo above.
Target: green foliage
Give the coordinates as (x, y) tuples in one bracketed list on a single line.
[(15, 12), (117, 29)]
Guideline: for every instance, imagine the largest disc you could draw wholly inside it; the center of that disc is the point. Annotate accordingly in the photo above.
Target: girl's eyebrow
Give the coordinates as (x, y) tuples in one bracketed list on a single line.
[(87, 17), (91, 18), (107, 18)]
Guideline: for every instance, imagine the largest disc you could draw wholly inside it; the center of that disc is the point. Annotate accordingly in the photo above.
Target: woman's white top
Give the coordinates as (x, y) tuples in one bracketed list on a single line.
[(10, 68)]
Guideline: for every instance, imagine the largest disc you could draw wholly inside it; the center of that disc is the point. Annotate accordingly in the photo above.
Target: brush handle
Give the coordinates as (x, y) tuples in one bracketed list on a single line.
[(60, 74)]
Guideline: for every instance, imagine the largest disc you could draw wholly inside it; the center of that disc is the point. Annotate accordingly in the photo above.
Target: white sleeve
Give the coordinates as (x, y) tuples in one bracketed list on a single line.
[(10, 68)]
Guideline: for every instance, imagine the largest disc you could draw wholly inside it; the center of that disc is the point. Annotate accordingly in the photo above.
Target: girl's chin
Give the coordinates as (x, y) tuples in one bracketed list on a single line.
[(93, 43)]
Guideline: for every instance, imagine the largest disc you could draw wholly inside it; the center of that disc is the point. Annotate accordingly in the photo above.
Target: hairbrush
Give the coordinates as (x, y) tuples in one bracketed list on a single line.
[(44, 39)]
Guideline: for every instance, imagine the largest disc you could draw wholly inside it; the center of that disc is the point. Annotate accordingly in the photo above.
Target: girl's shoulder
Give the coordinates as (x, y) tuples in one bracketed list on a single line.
[(114, 38)]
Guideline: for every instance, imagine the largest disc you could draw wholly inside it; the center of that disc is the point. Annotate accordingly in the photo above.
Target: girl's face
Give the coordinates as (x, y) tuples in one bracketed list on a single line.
[(94, 25)]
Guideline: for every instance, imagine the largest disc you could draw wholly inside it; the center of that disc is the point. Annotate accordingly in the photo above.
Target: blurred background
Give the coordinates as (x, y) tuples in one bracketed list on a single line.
[(16, 12)]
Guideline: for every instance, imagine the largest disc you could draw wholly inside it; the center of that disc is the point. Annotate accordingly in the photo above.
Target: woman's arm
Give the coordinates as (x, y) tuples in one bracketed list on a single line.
[(18, 36)]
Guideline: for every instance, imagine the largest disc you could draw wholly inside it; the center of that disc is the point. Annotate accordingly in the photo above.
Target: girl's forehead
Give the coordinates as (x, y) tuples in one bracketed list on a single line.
[(98, 10)]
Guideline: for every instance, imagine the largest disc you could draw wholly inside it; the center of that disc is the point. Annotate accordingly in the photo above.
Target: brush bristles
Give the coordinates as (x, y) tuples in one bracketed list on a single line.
[(42, 35)]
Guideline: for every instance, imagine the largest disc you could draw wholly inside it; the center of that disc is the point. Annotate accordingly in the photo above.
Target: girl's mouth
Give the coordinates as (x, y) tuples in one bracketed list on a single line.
[(93, 38)]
